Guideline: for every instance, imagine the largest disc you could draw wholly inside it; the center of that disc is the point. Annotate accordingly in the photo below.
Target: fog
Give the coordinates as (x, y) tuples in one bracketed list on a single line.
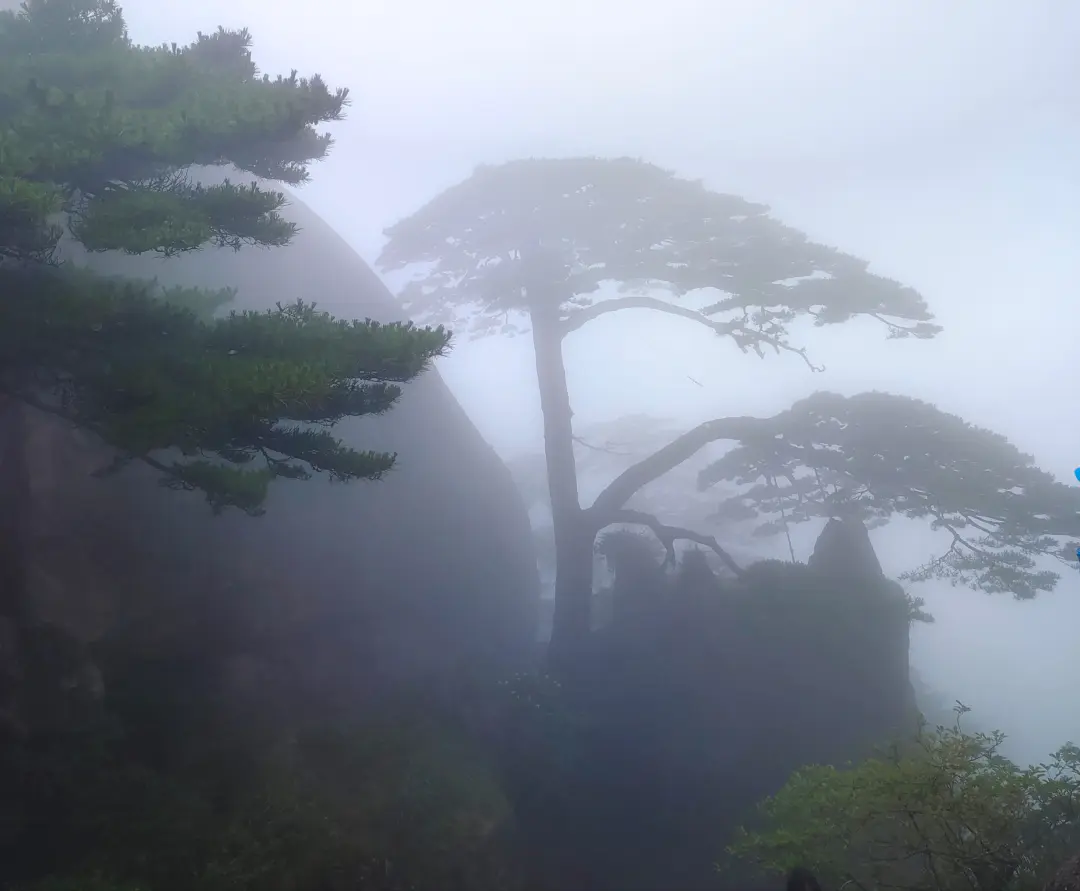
[(939, 141)]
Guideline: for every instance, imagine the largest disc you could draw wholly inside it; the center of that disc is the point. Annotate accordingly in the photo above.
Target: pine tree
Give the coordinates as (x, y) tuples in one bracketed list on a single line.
[(97, 138), (529, 244)]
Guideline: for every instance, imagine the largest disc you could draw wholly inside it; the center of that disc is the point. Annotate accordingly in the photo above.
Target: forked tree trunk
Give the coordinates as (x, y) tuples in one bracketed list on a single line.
[(574, 535)]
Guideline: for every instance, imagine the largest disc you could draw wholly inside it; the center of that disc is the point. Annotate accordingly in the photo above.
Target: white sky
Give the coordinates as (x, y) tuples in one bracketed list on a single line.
[(938, 140)]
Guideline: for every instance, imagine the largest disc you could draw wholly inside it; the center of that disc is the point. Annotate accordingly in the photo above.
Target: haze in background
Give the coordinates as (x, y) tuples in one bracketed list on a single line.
[(939, 141)]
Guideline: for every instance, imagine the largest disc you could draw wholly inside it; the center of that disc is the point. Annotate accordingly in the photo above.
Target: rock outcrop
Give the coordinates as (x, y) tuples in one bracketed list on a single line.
[(844, 554), (844, 549), (709, 693), (348, 589)]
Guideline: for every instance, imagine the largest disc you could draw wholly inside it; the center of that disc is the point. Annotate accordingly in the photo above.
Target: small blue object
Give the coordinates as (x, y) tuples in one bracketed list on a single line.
[(1076, 473)]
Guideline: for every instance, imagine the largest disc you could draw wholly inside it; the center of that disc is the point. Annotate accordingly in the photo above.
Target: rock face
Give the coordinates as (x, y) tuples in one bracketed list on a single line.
[(844, 548), (354, 587), (844, 554)]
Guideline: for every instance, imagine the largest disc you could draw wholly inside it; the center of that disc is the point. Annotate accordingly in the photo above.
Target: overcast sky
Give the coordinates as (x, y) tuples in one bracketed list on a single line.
[(938, 140)]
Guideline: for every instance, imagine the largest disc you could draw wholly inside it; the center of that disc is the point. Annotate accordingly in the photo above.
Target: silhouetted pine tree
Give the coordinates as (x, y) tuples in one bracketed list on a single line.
[(553, 245)]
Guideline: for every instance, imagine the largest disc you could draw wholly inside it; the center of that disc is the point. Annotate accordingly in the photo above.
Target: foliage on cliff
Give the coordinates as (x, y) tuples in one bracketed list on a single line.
[(948, 812), (97, 136)]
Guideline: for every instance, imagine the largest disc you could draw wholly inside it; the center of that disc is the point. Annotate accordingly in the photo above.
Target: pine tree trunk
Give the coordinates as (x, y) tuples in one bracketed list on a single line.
[(573, 593), (574, 535)]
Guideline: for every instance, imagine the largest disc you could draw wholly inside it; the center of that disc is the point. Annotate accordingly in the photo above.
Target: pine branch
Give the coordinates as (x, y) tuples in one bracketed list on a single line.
[(99, 133), (745, 338), (230, 486), (578, 318), (36, 402), (634, 478)]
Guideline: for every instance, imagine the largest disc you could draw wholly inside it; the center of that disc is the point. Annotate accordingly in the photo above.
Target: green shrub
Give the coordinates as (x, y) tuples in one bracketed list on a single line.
[(947, 813)]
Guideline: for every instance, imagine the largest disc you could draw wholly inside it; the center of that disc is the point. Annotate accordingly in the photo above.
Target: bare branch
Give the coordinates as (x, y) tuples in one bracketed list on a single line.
[(668, 535), (634, 478), (597, 448)]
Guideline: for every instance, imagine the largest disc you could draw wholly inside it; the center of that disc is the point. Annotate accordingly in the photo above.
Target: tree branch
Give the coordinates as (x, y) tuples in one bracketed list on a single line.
[(744, 338), (636, 477), (580, 317), (57, 411), (580, 441), (922, 328), (668, 535)]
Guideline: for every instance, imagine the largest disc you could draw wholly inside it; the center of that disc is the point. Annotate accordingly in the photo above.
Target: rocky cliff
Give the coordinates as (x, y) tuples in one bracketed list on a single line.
[(347, 589), (708, 694)]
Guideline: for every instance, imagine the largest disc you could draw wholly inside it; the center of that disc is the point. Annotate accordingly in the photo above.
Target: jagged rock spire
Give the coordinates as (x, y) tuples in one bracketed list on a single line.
[(844, 549)]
